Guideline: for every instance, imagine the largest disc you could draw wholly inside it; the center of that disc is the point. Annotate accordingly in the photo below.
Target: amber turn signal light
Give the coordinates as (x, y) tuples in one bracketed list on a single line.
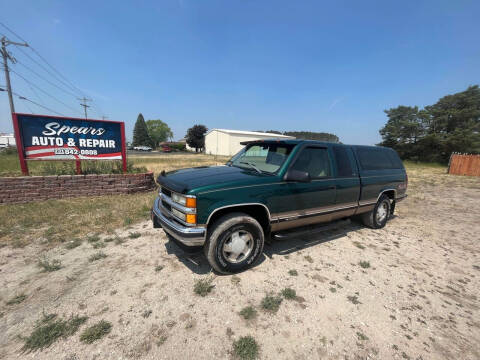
[(191, 219), (191, 202)]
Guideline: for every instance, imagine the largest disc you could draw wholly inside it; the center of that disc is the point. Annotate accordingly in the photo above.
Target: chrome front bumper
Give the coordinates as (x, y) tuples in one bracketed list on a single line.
[(186, 235)]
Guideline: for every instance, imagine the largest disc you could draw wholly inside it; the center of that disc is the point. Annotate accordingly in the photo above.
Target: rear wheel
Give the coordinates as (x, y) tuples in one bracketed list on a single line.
[(377, 218), (235, 241)]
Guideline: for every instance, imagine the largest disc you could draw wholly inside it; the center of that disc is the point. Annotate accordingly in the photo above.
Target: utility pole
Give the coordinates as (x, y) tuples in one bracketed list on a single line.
[(6, 56), (104, 117), (84, 104)]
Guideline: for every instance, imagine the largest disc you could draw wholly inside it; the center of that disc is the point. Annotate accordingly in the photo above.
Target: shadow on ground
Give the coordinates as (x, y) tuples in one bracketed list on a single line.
[(198, 264)]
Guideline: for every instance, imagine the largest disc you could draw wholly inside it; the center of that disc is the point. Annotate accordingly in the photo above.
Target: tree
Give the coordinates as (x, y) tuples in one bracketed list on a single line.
[(140, 133), (158, 131), (196, 137), (452, 124)]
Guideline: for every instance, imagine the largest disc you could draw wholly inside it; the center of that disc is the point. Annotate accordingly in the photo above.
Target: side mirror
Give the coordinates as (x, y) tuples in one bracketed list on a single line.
[(296, 175)]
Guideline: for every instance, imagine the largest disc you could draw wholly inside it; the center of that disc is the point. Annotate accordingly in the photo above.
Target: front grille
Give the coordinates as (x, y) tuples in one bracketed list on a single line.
[(166, 205), (166, 192)]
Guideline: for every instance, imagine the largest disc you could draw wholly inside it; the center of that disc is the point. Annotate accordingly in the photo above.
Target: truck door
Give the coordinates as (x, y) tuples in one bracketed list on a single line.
[(347, 182), (300, 203)]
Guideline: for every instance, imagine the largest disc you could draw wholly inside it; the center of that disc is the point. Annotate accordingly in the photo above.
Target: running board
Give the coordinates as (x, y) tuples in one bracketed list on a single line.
[(309, 230)]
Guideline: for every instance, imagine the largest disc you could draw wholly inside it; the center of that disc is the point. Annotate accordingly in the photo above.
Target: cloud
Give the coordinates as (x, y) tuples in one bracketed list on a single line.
[(334, 103)]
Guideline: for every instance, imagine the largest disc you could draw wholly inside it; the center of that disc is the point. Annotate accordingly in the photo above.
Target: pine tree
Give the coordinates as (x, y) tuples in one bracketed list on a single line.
[(140, 133)]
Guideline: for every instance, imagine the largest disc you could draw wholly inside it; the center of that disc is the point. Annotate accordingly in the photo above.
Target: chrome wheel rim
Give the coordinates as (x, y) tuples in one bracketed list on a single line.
[(382, 212), (238, 246)]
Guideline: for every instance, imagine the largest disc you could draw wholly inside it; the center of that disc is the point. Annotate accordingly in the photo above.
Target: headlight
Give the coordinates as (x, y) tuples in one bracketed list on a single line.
[(179, 199), (188, 201), (159, 189)]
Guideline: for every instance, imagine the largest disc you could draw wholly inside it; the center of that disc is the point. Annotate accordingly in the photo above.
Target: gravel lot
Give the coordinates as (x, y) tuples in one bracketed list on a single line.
[(415, 297)]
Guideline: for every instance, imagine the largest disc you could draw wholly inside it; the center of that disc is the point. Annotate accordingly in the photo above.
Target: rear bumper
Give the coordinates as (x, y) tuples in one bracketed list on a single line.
[(186, 235)]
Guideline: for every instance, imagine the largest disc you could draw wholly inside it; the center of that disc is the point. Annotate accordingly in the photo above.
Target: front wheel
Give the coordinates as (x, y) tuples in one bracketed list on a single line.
[(235, 242), (377, 218)]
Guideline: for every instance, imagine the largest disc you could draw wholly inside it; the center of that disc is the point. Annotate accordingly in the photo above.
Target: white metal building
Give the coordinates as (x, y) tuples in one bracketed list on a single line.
[(7, 140), (227, 142)]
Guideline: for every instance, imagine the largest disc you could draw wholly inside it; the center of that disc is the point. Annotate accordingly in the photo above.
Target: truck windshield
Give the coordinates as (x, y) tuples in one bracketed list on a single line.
[(262, 158)]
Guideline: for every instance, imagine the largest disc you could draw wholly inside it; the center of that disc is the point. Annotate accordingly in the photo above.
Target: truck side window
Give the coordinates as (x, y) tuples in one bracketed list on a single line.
[(374, 158), (315, 161), (344, 166)]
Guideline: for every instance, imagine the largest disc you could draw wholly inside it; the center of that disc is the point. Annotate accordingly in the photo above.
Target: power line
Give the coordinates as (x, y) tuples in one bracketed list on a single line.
[(53, 97), (33, 102), (41, 77), (44, 60), (46, 70)]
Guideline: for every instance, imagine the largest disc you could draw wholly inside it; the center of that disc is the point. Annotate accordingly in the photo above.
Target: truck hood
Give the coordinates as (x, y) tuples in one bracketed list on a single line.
[(185, 180)]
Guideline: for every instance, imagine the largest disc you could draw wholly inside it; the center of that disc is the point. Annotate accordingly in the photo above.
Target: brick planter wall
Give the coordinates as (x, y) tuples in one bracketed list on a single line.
[(35, 188)]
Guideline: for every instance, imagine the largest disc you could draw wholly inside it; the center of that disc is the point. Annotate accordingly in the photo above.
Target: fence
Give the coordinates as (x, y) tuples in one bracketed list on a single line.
[(464, 165)]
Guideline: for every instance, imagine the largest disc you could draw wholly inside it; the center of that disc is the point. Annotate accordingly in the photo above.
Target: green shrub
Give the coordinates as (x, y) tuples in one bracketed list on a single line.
[(246, 348), (95, 332), (289, 293), (203, 286), (248, 312), (49, 329), (271, 303)]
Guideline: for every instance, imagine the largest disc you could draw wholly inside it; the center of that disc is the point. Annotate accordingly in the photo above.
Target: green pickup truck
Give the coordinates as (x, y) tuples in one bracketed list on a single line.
[(271, 187)]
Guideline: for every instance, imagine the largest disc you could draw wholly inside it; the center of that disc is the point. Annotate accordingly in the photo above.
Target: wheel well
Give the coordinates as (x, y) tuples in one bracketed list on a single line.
[(258, 212), (390, 194)]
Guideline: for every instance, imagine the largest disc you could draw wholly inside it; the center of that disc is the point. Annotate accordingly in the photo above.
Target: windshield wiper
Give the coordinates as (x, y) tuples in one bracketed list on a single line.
[(252, 165)]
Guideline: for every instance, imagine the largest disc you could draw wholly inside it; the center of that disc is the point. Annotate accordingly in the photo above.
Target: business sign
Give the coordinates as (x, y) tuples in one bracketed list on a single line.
[(55, 138)]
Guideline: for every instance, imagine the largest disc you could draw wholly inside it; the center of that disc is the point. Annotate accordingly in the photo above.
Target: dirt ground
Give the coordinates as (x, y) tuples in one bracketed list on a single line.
[(419, 299)]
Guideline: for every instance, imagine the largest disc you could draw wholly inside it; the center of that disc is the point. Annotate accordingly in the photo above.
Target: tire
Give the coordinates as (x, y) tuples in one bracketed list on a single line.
[(378, 217), (241, 234)]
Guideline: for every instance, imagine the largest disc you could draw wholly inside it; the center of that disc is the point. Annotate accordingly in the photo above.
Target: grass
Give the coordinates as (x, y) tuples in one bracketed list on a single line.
[(97, 256), (17, 299), (289, 294), (73, 244), (95, 332), (10, 166), (248, 313), (246, 348), (158, 268), (203, 287), (293, 272), (20, 224), (162, 340), (271, 303), (93, 238), (364, 264), (354, 300), (358, 245), (134, 235), (361, 336), (49, 329), (49, 265), (99, 245)]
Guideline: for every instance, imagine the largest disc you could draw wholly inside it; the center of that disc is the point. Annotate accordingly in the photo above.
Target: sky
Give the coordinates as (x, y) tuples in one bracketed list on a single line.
[(243, 64)]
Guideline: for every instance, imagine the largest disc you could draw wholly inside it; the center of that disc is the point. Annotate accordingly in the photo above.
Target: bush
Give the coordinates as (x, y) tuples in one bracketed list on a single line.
[(10, 150), (271, 303), (245, 348), (49, 329), (96, 332)]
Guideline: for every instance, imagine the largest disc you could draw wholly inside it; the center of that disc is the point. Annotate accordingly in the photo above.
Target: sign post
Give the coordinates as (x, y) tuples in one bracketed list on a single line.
[(42, 137)]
